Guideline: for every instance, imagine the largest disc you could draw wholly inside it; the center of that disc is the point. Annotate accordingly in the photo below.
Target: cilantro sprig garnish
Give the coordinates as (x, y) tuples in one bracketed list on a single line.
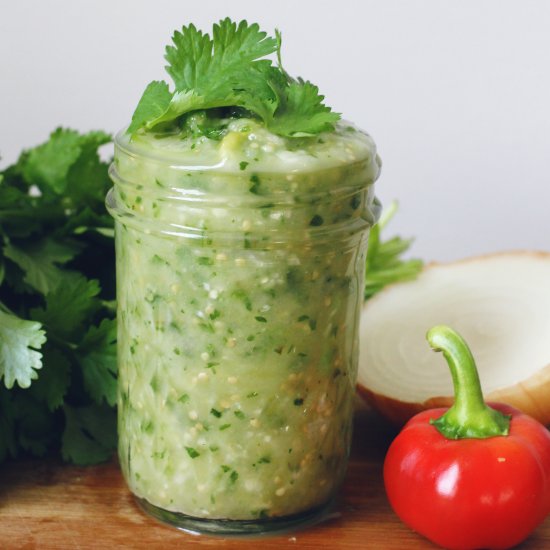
[(230, 70)]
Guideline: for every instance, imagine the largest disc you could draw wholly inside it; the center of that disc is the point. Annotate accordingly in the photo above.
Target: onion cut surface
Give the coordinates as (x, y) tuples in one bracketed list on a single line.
[(499, 303)]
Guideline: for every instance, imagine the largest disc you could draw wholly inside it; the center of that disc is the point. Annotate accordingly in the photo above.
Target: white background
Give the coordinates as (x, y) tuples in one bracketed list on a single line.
[(455, 93)]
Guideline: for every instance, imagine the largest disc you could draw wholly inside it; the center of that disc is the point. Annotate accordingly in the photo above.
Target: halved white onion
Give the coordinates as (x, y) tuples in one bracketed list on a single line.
[(499, 303)]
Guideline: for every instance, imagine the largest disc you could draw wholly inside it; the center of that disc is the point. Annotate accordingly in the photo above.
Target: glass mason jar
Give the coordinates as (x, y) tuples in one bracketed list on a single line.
[(238, 303)]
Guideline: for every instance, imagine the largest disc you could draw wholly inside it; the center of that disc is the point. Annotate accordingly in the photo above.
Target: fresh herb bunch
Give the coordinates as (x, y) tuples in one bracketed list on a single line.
[(230, 70), (384, 258), (57, 287)]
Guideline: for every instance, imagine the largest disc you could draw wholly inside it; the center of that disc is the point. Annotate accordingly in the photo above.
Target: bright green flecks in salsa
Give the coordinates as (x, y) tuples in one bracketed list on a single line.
[(237, 348), (245, 145)]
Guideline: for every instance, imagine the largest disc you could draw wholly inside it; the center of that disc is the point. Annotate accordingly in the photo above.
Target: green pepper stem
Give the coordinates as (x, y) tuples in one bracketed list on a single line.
[(469, 416)]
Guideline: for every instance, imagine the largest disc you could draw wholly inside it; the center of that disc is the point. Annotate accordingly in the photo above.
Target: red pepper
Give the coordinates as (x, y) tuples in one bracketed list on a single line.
[(471, 476)]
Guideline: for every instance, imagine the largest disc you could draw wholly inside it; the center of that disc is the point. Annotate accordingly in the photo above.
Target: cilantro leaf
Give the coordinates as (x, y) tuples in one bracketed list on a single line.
[(229, 70), (196, 62), (35, 427), (303, 112), (54, 379), (153, 104), (40, 261), (90, 434), (98, 361), (87, 179), (20, 341), (48, 164), (384, 263), (68, 305), (187, 101)]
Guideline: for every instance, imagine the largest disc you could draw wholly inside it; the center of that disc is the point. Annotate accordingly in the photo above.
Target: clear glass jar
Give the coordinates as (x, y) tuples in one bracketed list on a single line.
[(238, 303)]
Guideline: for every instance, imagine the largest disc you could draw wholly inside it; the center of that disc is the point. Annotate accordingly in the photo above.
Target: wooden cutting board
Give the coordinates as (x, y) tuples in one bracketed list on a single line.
[(47, 505)]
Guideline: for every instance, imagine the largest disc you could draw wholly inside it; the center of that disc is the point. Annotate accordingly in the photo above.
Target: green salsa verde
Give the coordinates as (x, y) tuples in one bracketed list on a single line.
[(240, 269)]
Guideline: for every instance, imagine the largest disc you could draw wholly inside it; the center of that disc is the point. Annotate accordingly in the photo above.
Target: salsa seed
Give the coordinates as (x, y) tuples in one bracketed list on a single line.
[(232, 380), (193, 415), (231, 342), (250, 485)]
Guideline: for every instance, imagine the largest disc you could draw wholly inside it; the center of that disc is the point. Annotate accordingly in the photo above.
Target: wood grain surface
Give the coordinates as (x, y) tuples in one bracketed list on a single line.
[(47, 505)]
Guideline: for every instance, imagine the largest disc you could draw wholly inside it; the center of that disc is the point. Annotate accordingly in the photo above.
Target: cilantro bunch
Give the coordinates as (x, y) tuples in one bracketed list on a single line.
[(57, 287), (230, 70)]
